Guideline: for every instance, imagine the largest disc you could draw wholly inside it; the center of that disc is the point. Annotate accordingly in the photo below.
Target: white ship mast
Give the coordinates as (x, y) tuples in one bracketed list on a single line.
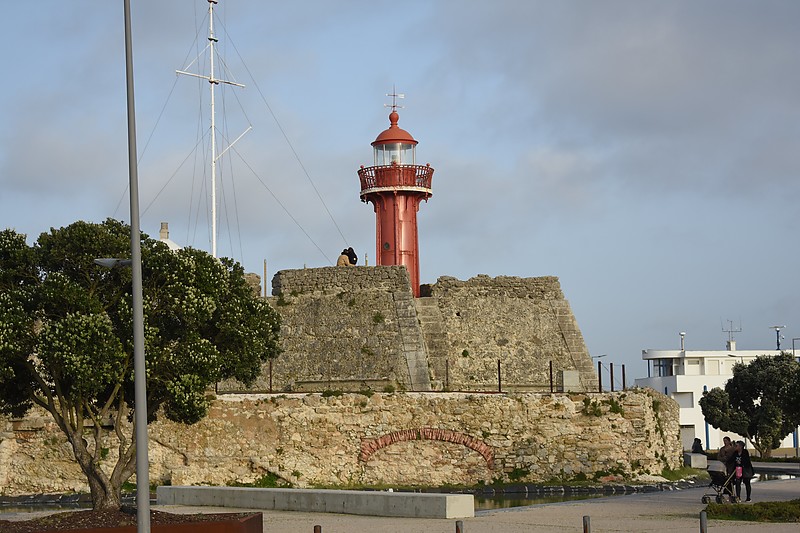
[(213, 81)]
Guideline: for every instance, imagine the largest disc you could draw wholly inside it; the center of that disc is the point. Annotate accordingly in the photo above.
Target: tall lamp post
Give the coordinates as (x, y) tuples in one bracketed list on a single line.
[(139, 371), (777, 335)]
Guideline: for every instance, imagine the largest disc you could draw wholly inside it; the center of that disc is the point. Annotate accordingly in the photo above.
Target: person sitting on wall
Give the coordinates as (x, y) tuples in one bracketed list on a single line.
[(344, 259), (351, 255), (697, 446)]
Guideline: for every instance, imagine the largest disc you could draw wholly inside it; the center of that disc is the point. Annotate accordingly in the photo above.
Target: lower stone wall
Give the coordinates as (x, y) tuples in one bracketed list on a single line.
[(396, 439)]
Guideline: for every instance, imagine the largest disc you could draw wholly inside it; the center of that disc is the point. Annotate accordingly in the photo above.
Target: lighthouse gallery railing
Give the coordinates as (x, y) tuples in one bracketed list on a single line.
[(395, 176)]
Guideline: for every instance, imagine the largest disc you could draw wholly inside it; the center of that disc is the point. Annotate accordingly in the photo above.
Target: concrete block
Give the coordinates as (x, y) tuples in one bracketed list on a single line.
[(359, 502), (571, 380), (695, 460)]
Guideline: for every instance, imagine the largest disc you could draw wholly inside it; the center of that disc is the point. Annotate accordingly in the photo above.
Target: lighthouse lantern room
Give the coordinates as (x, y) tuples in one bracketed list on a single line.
[(396, 185)]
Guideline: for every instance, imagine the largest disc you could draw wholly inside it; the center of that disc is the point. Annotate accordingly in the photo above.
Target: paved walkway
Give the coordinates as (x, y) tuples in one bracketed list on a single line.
[(651, 512), (669, 511)]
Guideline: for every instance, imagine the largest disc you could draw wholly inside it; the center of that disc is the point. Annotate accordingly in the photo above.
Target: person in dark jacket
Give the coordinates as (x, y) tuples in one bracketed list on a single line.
[(697, 446), (742, 468), (351, 255)]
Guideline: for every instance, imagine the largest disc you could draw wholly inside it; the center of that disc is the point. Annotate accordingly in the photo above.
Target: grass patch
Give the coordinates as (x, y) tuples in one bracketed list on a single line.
[(684, 472), (267, 481), (591, 408), (758, 512), (328, 393), (615, 406), (518, 474)]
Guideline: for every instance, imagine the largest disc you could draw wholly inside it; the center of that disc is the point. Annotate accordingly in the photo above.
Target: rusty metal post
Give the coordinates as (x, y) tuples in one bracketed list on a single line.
[(551, 376), (703, 522), (624, 385), (599, 377), (270, 374), (317, 529), (587, 524), (447, 374), (611, 374), (459, 526)]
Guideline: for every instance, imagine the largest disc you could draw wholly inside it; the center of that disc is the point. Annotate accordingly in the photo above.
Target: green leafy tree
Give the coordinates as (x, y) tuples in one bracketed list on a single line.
[(66, 341), (757, 401)]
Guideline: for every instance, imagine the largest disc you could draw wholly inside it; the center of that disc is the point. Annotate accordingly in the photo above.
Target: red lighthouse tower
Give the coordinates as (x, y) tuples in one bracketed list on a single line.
[(396, 185)]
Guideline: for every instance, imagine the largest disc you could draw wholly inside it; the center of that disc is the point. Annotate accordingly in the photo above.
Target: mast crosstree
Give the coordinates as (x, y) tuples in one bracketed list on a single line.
[(213, 81)]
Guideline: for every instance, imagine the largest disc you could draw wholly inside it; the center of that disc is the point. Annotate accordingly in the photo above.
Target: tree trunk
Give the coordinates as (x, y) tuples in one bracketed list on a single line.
[(105, 497)]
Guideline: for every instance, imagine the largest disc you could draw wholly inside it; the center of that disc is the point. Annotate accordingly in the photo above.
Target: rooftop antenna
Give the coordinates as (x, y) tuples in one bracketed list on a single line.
[(395, 95), (730, 331), (778, 335), (213, 81)]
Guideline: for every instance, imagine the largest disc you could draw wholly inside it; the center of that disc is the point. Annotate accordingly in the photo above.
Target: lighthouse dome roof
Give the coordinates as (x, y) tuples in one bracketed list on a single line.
[(394, 134)]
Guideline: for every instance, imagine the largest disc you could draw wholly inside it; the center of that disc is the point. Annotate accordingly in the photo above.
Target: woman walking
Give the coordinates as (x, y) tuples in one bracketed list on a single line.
[(743, 470)]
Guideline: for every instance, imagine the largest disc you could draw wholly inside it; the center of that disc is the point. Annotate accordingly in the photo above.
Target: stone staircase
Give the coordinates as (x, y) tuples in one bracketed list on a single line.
[(413, 345), (576, 347), (433, 332)]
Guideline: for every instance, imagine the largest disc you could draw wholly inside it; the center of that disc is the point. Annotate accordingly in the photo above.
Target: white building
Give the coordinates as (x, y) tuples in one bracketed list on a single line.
[(683, 375)]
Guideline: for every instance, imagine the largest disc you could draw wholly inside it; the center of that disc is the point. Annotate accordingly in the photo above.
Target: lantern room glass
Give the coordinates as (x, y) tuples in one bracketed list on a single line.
[(399, 153)]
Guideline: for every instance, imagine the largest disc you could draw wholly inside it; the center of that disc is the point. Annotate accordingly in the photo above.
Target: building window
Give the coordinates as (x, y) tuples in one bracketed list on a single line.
[(663, 367), (685, 400)]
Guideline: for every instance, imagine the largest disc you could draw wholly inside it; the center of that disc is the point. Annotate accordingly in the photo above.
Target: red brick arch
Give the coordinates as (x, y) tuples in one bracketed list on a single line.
[(370, 446)]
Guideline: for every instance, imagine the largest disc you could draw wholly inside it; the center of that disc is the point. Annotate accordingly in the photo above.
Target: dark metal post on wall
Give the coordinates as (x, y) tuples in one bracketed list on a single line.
[(499, 381), (599, 377), (551, 377), (317, 529), (611, 374), (447, 374), (587, 524), (624, 385), (459, 526), (270, 374)]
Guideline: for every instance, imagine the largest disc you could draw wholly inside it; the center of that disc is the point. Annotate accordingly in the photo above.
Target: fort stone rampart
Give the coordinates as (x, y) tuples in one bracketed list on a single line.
[(396, 439), (358, 328)]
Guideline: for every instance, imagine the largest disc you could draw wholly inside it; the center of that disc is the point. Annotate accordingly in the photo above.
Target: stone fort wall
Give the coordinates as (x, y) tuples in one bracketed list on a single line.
[(398, 439), (360, 327), (525, 323)]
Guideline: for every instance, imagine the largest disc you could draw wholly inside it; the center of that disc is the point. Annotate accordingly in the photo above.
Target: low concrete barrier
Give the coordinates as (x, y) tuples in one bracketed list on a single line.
[(360, 502), (695, 460)]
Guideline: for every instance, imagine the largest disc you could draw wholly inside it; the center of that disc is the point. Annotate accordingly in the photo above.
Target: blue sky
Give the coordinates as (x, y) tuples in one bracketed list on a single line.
[(645, 152)]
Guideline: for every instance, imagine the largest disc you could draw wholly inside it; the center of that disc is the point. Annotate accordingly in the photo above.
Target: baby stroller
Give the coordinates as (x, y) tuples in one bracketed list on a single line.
[(723, 485)]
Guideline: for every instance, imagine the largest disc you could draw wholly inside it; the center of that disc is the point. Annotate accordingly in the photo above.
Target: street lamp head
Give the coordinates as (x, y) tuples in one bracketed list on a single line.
[(112, 262)]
